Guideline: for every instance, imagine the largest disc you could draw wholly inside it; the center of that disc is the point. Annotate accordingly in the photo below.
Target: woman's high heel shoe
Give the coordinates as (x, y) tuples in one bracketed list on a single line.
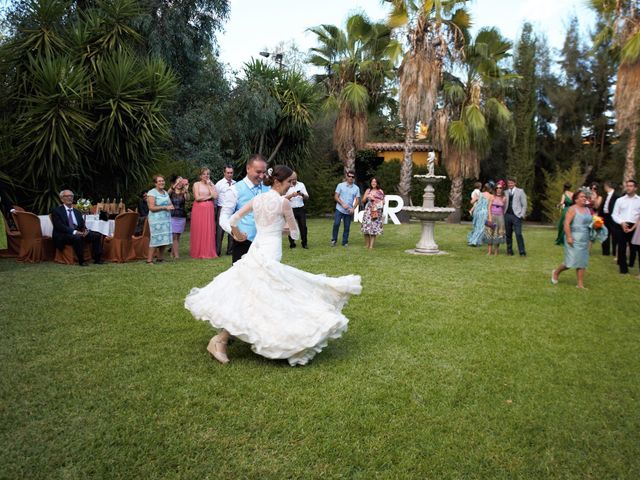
[(217, 348)]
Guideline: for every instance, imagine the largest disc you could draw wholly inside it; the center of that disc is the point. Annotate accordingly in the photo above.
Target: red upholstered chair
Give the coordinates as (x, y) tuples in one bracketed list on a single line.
[(118, 248), (67, 256), (140, 248), (34, 248)]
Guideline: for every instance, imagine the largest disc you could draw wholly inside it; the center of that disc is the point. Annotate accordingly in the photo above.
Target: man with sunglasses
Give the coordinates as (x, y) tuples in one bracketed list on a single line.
[(347, 196)]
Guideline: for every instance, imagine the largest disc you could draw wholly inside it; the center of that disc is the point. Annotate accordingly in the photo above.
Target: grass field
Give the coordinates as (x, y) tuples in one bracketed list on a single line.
[(456, 366)]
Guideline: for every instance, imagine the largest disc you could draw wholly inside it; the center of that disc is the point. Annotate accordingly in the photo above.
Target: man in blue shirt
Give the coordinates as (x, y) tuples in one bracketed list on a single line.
[(347, 197)]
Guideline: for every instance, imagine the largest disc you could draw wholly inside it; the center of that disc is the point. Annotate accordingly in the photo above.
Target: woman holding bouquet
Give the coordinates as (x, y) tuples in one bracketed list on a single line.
[(577, 224), (373, 201)]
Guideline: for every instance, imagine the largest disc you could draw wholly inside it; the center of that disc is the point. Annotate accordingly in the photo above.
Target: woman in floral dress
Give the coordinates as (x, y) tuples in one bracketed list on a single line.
[(159, 218), (373, 201)]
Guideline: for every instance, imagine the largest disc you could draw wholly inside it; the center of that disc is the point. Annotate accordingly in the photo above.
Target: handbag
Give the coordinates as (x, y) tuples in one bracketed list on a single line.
[(491, 225), (375, 213)]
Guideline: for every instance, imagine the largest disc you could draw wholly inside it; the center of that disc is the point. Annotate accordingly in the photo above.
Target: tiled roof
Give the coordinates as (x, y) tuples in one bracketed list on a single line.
[(396, 147)]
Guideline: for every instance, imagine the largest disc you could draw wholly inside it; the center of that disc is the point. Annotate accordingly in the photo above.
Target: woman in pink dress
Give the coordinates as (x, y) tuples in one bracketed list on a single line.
[(203, 223)]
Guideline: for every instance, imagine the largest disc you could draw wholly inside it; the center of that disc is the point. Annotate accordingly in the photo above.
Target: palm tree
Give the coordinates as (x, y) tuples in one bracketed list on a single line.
[(622, 19), (461, 127), (85, 109), (274, 111), (436, 32), (357, 64)]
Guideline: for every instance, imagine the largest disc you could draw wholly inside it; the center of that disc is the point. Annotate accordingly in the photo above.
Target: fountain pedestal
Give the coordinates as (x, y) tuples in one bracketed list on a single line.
[(428, 214)]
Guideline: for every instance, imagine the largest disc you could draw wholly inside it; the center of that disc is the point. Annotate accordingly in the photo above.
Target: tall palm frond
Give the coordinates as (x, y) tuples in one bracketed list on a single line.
[(356, 63), (622, 26)]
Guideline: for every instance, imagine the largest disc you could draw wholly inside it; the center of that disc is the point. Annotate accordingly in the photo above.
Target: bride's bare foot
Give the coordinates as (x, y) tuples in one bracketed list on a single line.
[(218, 349)]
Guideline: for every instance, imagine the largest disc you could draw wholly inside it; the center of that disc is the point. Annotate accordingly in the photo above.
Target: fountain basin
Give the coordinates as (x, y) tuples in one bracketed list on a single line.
[(428, 214)]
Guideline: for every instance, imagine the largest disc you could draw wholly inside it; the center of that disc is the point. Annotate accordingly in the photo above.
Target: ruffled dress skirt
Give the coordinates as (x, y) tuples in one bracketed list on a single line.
[(283, 312)]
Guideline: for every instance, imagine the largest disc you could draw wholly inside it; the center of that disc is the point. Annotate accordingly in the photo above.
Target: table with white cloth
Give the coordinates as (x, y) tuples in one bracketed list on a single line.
[(92, 223)]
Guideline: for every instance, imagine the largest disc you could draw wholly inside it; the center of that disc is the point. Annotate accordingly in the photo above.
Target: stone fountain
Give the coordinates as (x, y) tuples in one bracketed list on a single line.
[(428, 214)]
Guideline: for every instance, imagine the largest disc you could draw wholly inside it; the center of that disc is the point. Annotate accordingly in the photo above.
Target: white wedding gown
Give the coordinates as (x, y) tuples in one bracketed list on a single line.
[(283, 312)]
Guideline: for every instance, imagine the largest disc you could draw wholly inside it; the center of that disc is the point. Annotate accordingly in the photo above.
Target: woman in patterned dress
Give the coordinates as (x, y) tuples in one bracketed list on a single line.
[(480, 216), (179, 195), (495, 233), (159, 218), (373, 201)]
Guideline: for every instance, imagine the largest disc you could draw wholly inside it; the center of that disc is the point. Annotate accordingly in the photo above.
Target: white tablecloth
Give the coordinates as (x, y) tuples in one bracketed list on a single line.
[(104, 227), (91, 221), (45, 225)]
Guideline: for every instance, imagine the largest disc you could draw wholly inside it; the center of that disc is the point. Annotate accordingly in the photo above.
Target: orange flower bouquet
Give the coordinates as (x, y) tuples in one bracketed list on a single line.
[(597, 229)]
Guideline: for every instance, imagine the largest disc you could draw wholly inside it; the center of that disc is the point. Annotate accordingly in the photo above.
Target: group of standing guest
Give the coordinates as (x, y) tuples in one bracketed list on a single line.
[(166, 213), (620, 217), (497, 215), (213, 204)]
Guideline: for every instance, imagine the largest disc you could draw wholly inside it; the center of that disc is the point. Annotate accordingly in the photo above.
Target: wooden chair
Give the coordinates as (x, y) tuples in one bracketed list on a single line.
[(140, 248), (34, 248), (118, 248), (67, 256)]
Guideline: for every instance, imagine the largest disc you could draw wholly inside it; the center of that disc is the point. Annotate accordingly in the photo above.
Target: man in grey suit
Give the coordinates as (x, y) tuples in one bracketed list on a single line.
[(515, 210)]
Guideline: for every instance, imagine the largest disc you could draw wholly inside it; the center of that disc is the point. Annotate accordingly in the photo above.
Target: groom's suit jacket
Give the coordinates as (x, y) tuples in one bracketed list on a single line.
[(61, 227), (519, 202)]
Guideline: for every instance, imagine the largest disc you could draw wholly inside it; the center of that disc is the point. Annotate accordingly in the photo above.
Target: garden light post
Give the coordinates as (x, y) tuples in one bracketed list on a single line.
[(277, 57)]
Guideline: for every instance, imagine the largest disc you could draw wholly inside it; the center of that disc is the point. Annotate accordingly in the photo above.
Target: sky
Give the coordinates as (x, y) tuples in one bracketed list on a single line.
[(255, 26)]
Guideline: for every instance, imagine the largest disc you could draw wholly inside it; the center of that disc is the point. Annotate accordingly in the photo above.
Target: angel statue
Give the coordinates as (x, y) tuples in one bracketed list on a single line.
[(431, 162)]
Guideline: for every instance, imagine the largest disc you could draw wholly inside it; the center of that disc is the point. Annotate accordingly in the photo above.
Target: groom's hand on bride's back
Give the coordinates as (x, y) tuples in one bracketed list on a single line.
[(239, 236)]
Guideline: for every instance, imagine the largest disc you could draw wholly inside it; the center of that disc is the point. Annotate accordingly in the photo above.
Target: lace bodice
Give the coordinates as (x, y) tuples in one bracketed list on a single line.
[(271, 212)]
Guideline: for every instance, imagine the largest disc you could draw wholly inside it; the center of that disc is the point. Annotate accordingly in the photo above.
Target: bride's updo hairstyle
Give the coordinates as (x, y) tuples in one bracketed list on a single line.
[(279, 173)]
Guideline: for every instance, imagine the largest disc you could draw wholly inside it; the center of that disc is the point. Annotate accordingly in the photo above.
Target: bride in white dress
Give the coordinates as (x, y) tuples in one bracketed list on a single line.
[(283, 312)]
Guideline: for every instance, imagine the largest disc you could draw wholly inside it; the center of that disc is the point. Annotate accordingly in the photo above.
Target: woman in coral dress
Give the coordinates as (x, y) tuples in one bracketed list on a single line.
[(203, 220)]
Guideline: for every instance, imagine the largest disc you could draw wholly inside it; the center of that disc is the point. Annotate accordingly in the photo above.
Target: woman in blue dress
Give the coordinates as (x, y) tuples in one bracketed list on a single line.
[(480, 215), (159, 219), (576, 239)]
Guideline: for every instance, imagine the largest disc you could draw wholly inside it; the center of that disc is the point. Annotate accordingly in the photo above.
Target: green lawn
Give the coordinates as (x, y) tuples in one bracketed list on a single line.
[(457, 366)]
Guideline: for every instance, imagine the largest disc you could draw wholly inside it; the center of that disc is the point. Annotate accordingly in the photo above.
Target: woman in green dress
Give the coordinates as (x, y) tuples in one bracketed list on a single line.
[(565, 202), (576, 239)]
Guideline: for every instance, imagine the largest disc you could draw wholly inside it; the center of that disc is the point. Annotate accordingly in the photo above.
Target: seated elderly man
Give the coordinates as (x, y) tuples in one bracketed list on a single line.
[(69, 229)]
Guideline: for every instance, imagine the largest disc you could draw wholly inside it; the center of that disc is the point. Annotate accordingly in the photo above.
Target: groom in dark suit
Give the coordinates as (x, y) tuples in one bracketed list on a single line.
[(69, 229)]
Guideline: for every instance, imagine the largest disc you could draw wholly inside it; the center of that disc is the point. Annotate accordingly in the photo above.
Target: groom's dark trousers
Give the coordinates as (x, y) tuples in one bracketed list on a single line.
[(238, 250)]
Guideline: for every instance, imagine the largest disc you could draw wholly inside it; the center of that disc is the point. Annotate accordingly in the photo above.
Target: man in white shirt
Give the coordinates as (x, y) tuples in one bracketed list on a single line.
[(625, 214), (610, 245), (297, 194), (222, 187)]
